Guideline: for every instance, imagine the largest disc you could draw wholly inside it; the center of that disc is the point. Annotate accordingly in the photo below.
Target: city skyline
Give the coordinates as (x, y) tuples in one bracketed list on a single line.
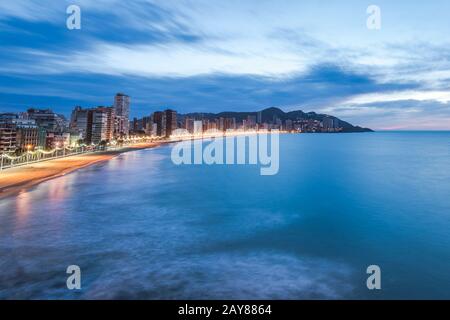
[(43, 129), (232, 56)]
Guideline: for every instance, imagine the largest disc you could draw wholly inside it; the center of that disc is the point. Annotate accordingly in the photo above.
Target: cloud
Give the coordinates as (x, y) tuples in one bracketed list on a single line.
[(179, 60), (439, 96), (190, 38), (209, 56), (396, 114)]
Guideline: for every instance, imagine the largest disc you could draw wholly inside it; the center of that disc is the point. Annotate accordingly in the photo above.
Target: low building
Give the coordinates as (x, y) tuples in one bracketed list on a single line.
[(47, 119), (8, 132), (28, 135)]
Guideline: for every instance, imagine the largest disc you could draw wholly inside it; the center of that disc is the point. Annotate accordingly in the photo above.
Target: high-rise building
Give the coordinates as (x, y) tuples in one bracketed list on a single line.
[(159, 118), (230, 124), (277, 123), (288, 125), (100, 125), (211, 125), (97, 123), (93, 125), (8, 132), (122, 113), (189, 124), (198, 127), (221, 124), (259, 117), (78, 121), (171, 121), (205, 123), (330, 124), (153, 127), (146, 123), (110, 121), (251, 122)]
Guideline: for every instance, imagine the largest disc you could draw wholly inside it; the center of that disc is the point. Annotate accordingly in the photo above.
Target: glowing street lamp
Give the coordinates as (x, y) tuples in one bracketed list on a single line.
[(29, 146)]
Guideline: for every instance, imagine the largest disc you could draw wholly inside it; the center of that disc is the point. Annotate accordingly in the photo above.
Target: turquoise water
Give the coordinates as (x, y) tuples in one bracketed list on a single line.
[(141, 227)]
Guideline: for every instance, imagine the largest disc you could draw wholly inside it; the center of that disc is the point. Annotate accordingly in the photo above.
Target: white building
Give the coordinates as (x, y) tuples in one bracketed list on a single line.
[(198, 127), (122, 113)]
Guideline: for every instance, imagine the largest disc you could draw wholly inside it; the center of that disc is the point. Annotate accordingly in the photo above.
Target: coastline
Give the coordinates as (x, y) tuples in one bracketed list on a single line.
[(13, 181), (16, 180)]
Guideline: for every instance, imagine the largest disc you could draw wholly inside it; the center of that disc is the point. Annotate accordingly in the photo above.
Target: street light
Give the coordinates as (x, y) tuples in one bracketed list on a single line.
[(57, 145), (28, 152)]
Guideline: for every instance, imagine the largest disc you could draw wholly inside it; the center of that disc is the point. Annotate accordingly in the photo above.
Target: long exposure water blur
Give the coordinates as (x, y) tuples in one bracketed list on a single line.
[(141, 227)]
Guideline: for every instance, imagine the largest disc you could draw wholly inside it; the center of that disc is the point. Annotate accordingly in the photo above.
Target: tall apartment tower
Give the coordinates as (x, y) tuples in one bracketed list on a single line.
[(259, 117), (110, 121), (189, 124), (122, 113), (100, 125), (78, 121), (171, 121), (159, 118), (198, 127)]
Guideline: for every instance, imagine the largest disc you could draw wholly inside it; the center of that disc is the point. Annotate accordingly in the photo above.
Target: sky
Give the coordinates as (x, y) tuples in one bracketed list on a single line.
[(230, 55)]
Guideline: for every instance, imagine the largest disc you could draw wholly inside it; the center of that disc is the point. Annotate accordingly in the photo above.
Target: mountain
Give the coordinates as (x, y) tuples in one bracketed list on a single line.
[(269, 114)]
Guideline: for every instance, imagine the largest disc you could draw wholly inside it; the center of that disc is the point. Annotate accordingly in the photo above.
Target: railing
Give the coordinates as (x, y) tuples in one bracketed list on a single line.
[(10, 161)]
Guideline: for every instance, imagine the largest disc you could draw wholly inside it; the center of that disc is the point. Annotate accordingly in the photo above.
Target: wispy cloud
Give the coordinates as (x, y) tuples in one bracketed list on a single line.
[(439, 96), (232, 55)]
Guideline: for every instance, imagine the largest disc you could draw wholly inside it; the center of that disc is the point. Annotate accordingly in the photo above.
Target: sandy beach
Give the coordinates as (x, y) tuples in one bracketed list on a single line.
[(16, 180)]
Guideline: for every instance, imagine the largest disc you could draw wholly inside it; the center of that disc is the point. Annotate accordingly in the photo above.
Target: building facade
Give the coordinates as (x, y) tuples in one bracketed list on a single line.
[(8, 132), (28, 135), (100, 125), (78, 121), (171, 121), (198, 127), (122, 114), (159, 118), (47, 119)]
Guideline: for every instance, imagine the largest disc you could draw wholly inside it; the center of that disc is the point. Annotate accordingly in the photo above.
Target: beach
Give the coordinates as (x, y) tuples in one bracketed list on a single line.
[(16, 180)]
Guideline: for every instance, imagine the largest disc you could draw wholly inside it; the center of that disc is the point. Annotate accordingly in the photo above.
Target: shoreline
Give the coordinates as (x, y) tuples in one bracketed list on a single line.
[(17, 180), (14, 181)]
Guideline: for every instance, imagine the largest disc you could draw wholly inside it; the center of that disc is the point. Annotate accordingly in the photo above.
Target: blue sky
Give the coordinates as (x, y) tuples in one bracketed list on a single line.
[(211, 56)]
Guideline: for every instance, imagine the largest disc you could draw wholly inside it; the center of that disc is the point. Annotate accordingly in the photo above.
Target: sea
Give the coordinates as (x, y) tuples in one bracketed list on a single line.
[(141, 227)]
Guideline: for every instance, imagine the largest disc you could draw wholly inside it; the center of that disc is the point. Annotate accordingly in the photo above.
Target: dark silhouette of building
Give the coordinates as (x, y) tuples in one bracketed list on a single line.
[(171, 121)]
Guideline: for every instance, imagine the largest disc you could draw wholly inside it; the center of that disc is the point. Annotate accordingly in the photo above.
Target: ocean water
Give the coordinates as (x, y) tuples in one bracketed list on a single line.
[(140, 227)]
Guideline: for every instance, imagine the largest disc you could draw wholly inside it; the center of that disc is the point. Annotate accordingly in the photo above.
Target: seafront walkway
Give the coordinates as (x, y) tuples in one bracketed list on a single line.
[(8, 160)]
